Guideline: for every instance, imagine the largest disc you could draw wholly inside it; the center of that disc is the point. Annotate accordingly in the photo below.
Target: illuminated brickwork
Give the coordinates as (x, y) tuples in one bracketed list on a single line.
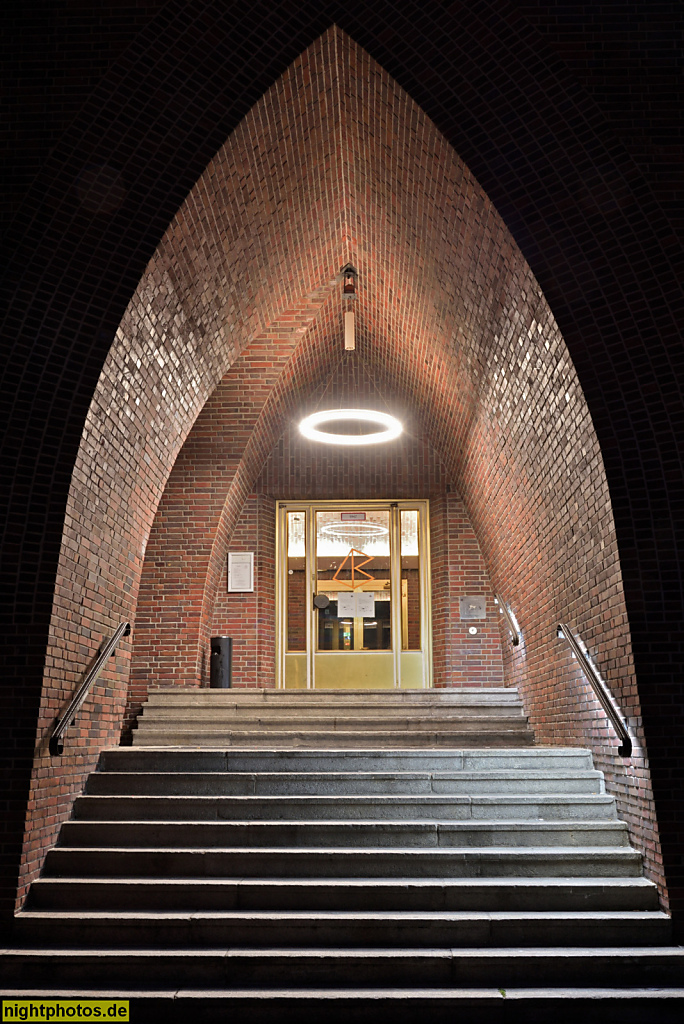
[(337, 163)]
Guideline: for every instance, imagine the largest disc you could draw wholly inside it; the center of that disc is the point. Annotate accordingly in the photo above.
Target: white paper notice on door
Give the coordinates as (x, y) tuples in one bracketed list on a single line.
[(357, 605), (365, 605), (346, 606)]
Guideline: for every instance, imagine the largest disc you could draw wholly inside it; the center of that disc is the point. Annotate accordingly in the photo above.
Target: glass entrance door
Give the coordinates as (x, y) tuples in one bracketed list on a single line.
[(353, 595)]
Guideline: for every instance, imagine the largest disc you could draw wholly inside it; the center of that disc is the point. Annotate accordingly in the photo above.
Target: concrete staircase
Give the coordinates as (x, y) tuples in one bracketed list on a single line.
[(333, 718), (282, 882)]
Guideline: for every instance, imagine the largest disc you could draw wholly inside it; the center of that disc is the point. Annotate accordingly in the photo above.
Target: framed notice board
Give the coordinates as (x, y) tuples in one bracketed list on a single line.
[(240, 572)]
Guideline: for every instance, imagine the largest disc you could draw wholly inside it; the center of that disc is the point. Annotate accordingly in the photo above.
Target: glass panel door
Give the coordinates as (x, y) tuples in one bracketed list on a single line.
[(353, 572), (296, 600), (353, 596), (412, 662)]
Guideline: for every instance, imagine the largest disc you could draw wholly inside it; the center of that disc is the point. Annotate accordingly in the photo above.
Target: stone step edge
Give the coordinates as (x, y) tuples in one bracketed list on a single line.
[(354, 952), (371, 752), (432, 709), (336, 723), (504, 774), (432, 712), (364, 798), (552, 853), (376, 727), (576, 881), (385, 915), (427, 690), (551, 994), (86, 845), (426, 825), (301, 998)]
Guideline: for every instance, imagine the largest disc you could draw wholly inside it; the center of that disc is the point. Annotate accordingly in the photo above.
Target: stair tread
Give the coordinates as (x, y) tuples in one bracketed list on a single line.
[(391, 694), (374, 999), (354, 952), (494, 773), (530, 753), (355, 881), (352, 915), (207, 717), (391, 798), (340, 914), (426, 825), (625, 852)]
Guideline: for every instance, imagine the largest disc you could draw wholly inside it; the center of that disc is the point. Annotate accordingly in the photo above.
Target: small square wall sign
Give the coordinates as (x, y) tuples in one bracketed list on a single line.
[(473, 606)]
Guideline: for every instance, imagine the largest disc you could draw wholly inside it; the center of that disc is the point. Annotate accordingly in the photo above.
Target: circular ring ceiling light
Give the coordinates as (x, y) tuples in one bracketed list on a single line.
[(309, 426), (355, 530)]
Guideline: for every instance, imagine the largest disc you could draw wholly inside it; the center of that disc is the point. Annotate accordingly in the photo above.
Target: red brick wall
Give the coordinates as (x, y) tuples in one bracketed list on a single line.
[(459, 569), (250, 618), (217, 467), (337, 163)]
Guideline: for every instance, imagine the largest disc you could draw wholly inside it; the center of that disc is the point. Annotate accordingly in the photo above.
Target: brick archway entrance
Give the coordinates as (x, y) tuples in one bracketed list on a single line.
[(461, 419)]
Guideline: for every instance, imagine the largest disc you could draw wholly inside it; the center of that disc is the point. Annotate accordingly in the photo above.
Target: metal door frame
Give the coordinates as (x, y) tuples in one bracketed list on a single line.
[(309, 508)]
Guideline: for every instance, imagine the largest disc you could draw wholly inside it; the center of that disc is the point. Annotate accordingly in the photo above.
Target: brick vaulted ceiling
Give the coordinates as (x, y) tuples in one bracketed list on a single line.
[(240, 309), (565, 114)]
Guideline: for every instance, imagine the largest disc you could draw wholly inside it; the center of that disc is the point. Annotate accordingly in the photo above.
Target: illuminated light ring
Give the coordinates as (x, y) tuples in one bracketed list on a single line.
[(355, 529), (309, 426)]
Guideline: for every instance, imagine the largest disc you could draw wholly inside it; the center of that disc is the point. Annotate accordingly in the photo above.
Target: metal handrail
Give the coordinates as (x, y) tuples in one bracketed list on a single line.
[(63, 723), (513, 626), (603, 696)]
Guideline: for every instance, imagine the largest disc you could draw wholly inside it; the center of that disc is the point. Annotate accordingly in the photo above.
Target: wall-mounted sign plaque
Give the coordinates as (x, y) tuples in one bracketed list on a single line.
[(474, 607), (240, 572)]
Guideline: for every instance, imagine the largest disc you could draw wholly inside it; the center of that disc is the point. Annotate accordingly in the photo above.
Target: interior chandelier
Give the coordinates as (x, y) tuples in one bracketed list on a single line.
[(310, 426), (355, 530)]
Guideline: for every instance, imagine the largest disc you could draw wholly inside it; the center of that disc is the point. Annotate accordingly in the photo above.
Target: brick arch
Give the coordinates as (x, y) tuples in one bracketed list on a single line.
[(605, 276), (451, 314), (252, 410), (216, 468)]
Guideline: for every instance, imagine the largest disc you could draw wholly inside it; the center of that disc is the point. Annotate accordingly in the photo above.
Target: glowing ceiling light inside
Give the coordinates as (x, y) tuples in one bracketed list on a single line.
[(355, 530), (309, 426)]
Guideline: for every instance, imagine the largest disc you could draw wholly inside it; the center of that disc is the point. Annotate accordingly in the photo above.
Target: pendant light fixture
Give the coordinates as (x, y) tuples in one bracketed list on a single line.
[(310, 426)]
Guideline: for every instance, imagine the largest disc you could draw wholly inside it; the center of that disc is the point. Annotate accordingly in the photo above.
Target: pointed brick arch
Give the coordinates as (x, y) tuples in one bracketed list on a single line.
[(448, 311), (105, 601)]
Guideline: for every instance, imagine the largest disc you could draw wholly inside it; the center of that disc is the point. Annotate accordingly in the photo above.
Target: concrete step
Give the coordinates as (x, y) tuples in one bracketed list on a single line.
[(398, 759), (503, 783), (169, 718), (401, 1005), (316, 713), (459, 696), (279, 884), (336, 928), (481, 894), (336, 862), (293, 808), (249, 969), (175, 736), (313, 833)]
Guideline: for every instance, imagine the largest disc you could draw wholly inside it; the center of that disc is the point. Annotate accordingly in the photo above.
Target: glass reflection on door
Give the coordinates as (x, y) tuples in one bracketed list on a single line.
[(353, 596), (296, 603), (410, 581), (353, 570)]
